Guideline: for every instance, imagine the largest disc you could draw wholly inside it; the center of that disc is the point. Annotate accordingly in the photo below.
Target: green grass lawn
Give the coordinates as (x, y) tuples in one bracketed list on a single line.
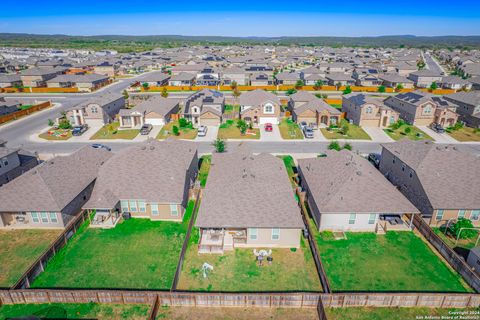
[(450, 240), (368, 313), (465, 134), (290, 130), (238, 271), (396, 261), (204, 169), (354, 133), (19, 249), (137, 253), (25, 106), (111, 131), (184, 133), (57, 134), (414, 134), (289, 165), (229, 130), (231, 109), (76, 311)]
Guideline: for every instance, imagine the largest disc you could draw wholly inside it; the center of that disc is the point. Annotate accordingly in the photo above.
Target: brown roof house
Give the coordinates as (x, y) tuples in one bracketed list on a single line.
[(248, 202), (468, 106), (148, 180), (346, 193), (260, 107), (367, 111), (103, 109), (156, 111), (422, 109), (306, 107), (443, 181), (204, 108), (52, 193)]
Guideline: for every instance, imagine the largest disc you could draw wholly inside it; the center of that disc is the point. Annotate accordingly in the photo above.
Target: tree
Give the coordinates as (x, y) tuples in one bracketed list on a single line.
[(219, 145), (50, 123), (145, 85), (381, 89), (234, 85), (182, 123), (399, 87), (125, 94), (64, 124), (289, 92), (347, 90), (236, 93), (318, 85), (433, 86), (164, 92), (175, 131), (338, 85), (299, 84), (465, 233), (334, 145), (242, 125)]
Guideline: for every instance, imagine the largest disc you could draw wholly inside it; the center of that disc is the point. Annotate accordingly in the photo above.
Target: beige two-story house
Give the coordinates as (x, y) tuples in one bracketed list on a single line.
[(368, 111), (260, 107)]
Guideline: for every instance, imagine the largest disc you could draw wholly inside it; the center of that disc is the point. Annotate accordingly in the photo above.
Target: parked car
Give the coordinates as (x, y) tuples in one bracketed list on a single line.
[(308, 132), (146, 128), (101, 146), (302, 125), (268, 127), (202, 131), (79, 130), (374, 158), (437, 128)]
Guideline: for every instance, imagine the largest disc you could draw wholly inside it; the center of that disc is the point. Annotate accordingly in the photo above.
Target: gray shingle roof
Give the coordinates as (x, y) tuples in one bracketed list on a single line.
[(244, 191), (257, 97), (159, 105)]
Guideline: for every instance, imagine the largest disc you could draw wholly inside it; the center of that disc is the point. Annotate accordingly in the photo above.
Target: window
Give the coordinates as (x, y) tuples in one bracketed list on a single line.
[(439, 215), (124, 205), (393, 159), (371, 218), (461, 214), (411, 173), (268, 108), (352, 218), (44, 217), (141, 206), (35, 218), (475, 214), (275, 234), (252, 233), (5, 161), (53, 217), (174, 210), (369, 109), (427, 109), (94, 110), (403, 166), (133, 206), (154, 208)]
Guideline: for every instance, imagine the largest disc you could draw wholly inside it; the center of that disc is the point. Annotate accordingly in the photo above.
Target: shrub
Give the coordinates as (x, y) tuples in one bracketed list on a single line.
[(289, 92), (464, 234), (219, 145), (345, 129), (175, 130), (347, 146), (334, 145), (50, 123), (64, 124), (381, 89), (433, 86), (408, 130), (182, 122), (347, 90), (242, 125)]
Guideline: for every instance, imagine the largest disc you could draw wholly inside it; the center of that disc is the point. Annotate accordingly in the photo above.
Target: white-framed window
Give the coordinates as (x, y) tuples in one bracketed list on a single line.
[(133, 206), (439, 215), (35, 217), (427, 109), (352, 218), (44, 217), (475, 215), (369, 109), (154, 208), (268, 108), (252, 233), (461, 214), (124, 205), (371, 218), (53, 217), (94, 110), (141, 206), (174, 210), (275, 234)]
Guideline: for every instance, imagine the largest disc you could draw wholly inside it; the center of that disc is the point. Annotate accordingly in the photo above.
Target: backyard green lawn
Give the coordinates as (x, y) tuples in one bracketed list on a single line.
[(354, 132), (229, 130), (137, 253), (397, 313), (289, 165), (238, 271), (111, 131), (414, 134), (396, 261), (290, 130), (76, 311), (465, 134), (184, 133), (205, 162), (19, 249), (450, 240)]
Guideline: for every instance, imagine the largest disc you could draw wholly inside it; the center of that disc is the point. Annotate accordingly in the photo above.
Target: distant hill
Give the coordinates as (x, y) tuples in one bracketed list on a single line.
[(124, 43)]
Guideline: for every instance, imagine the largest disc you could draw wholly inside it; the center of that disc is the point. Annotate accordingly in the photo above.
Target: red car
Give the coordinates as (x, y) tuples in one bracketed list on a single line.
[(268, 127)]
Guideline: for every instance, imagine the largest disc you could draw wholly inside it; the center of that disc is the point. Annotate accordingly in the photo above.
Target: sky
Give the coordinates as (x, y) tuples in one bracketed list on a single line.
[(242, 18)]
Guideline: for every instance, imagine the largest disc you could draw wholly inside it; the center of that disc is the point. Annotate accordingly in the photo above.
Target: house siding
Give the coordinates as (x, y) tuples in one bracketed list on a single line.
[(289, 238)]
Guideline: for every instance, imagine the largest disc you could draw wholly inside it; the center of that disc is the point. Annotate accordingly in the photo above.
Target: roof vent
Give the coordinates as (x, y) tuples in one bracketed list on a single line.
[(244, 174), (152, 147), (143, 147), (359, 173)]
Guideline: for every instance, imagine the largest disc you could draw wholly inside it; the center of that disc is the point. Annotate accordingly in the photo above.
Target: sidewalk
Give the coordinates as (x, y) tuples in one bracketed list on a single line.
[(377, 134)]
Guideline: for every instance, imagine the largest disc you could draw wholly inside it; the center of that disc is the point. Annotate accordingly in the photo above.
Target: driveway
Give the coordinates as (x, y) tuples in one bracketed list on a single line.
[(274, 135), (212, 132), (377, 134), (93, 127), (438, 137)]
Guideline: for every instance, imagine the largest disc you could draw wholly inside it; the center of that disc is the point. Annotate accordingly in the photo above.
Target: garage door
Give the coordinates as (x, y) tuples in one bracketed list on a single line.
[(210, 122), (155, 121), (272, 120)]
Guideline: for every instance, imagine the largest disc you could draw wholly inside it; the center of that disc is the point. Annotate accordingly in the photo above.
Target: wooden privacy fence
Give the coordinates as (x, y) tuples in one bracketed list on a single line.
[(21, 113), (39, 265), (448, 254)]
